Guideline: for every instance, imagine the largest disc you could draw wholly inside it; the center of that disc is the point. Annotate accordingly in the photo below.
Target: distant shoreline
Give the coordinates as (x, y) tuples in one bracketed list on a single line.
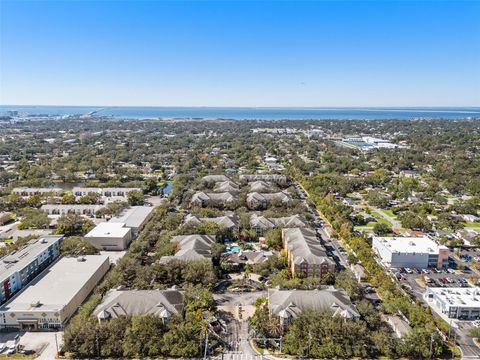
[(245, 113)]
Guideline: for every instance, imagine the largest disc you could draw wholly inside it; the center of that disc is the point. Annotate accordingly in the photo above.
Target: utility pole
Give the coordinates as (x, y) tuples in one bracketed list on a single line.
[(431, 346), (206, 345), (309, 342), (56, 343)]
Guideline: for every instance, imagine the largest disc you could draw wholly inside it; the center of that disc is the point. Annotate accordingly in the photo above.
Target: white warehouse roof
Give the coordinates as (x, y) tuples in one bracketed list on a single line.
[(410, 244), (109, 230), (57, 286)]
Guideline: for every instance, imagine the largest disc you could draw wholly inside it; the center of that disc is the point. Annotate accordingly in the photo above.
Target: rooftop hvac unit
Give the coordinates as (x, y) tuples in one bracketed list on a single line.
[(81, 259)]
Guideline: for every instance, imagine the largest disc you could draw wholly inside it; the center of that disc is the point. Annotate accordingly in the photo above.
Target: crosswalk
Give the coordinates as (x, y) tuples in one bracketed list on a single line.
[(238, 356)]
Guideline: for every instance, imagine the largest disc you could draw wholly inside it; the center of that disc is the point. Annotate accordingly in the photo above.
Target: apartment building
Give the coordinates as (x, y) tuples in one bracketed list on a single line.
[(305, 254), (54, 296), (22, 266)]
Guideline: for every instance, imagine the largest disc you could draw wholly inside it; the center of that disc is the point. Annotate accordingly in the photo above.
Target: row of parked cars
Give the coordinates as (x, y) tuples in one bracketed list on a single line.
[(446, 281), (426, 271)]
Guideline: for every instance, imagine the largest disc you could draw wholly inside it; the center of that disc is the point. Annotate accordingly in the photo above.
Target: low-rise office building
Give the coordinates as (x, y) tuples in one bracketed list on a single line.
[(135, 218), (52, 298), (456, 303), (22, 266), (110, 236), (418, 252)]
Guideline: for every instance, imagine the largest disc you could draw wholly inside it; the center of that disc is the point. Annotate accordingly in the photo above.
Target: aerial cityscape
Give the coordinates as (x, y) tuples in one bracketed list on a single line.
[(239, 180)]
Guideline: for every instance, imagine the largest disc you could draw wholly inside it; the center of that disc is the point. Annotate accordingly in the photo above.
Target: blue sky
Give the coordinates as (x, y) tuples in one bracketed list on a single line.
[(227, 53)]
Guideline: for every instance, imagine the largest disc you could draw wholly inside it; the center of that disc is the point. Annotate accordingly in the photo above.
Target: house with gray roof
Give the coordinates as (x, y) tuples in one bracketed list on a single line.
[(305, 253), (191, 248), (226, 221), (289, 304), (226, 186), (212, 179), (257, 200), (273, 178), (261, 223), (203, 199), (260, 186), (161, 303)]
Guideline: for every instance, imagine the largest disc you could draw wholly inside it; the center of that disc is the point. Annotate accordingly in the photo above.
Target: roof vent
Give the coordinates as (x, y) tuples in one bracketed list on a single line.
[(36, 304), (43, 241), (81, 259)]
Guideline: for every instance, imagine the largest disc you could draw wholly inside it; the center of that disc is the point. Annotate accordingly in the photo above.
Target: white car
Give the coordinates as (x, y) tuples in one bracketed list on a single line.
[(476, 323)]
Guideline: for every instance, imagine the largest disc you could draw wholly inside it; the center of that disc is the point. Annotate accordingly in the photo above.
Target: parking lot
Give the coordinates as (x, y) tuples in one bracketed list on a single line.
[(44, 344), (418, 280), (470, 255)]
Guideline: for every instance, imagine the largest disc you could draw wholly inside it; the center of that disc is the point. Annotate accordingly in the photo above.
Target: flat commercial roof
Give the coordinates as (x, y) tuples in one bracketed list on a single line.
[(57, 285), (458, 297), (109, 229), (410, 244), (16, 261), (133, 217)]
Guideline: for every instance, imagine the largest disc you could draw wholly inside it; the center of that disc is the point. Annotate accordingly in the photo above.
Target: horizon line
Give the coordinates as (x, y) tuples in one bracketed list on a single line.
[(332, 107)]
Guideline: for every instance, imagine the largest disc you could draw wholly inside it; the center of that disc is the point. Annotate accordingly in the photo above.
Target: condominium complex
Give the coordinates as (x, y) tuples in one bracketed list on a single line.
[(305, 254), (106, 192)]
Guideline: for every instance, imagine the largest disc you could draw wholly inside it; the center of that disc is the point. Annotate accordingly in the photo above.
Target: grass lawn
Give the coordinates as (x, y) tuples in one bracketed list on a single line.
[(390, 213), (472, 224), (380, 218), (363, 228)]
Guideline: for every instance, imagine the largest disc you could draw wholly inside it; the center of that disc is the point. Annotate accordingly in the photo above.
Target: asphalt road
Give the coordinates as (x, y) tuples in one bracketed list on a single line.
[(328, 241)]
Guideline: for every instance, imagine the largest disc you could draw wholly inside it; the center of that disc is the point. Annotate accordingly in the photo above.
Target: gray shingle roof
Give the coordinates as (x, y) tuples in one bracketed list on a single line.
[(305, 246), (191, 248), (291, 303), (162, 303)]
